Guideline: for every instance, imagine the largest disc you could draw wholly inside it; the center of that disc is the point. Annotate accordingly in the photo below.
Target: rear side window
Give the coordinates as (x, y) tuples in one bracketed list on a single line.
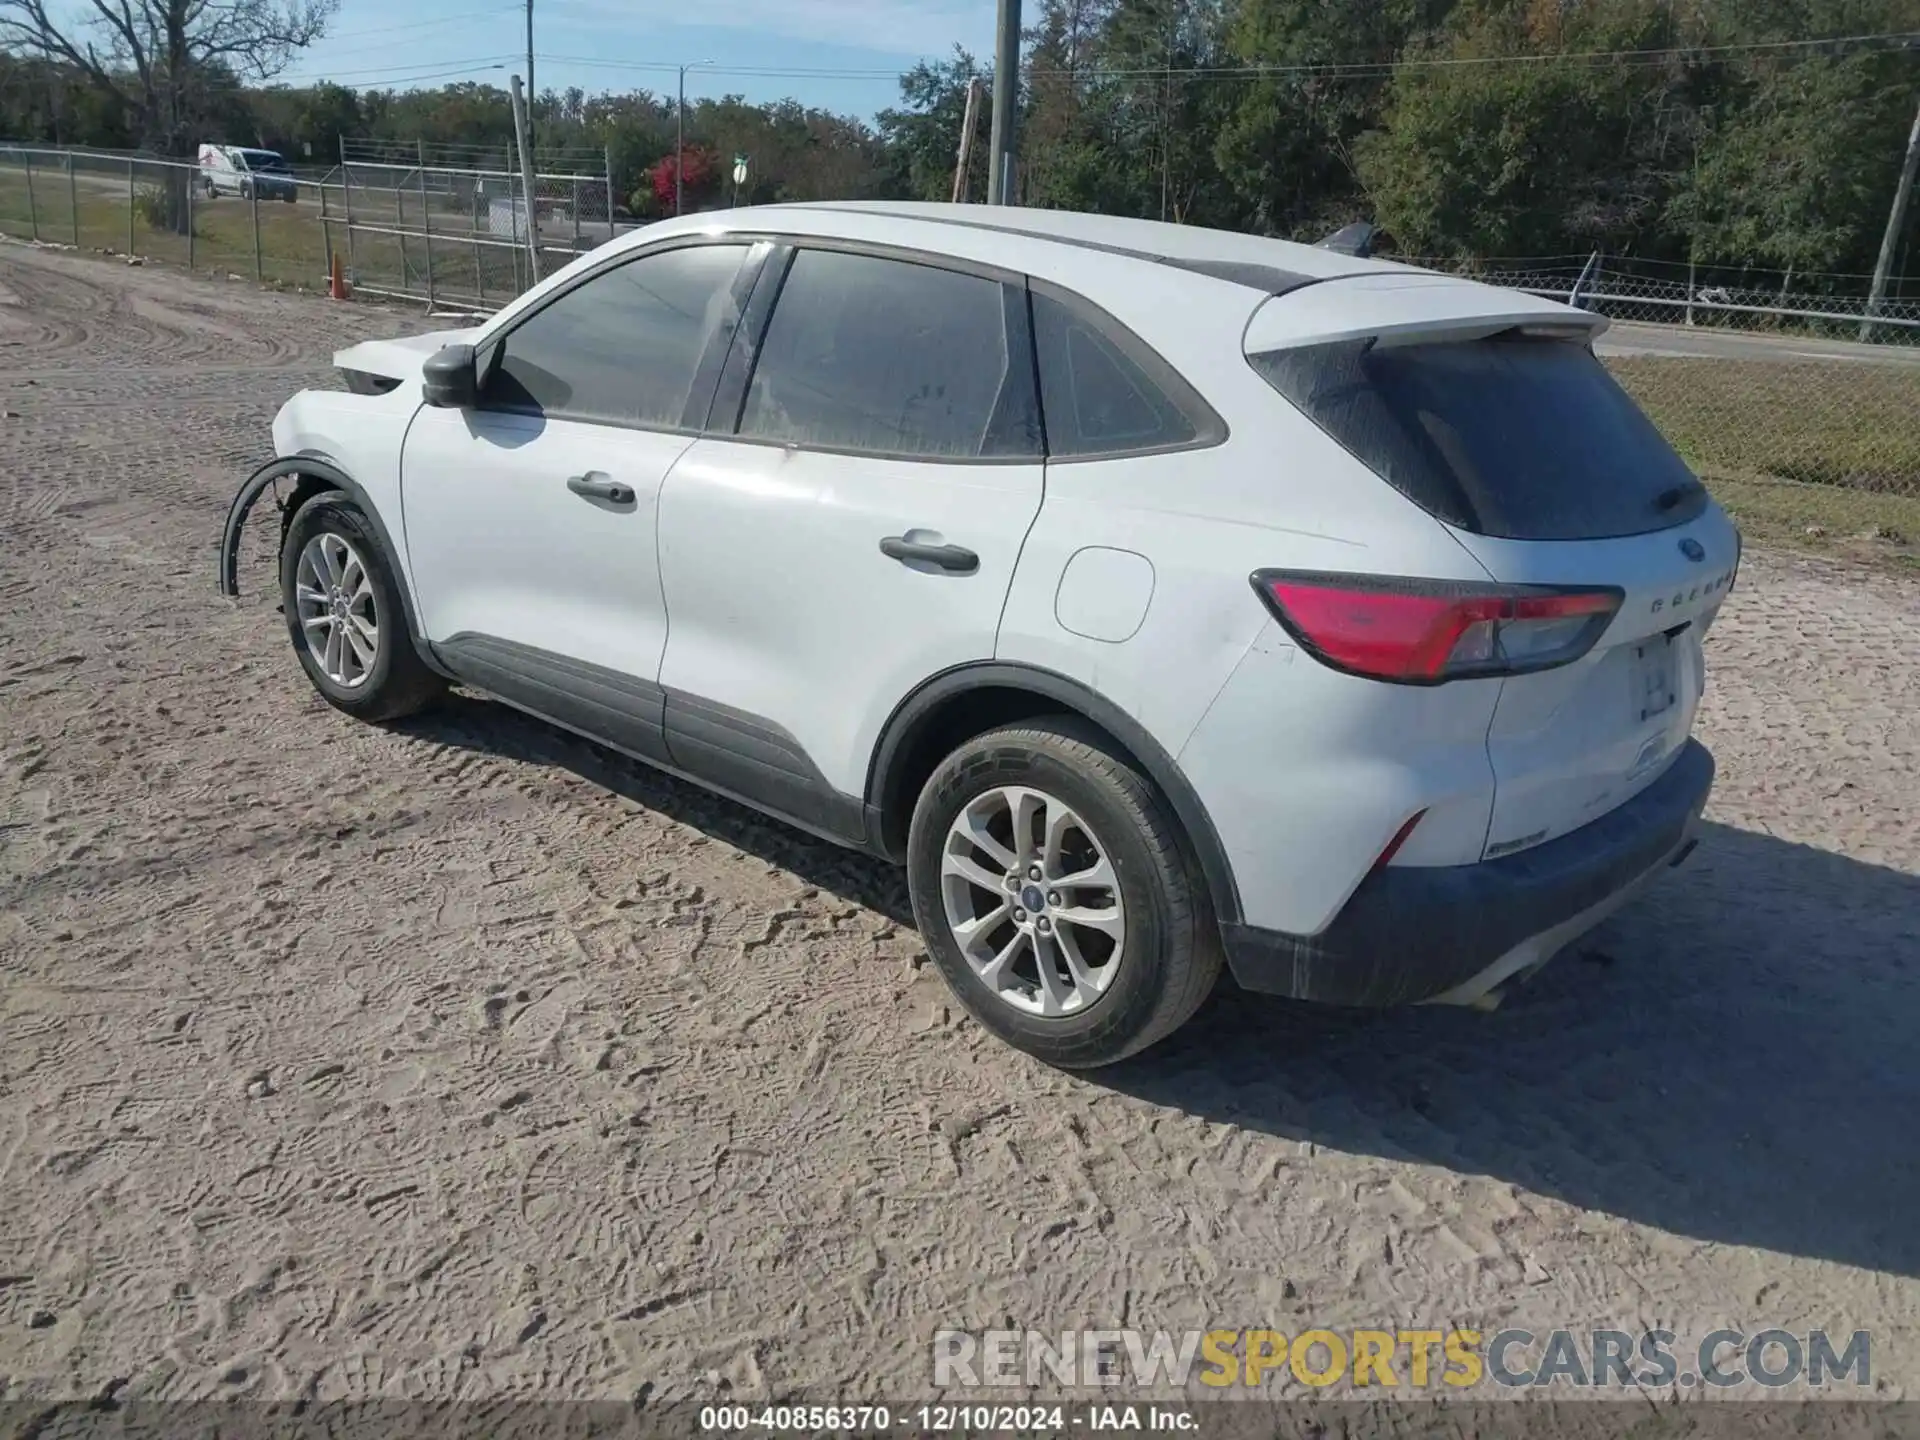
[(1102, 391), (1518, 436), (888, 357), (621, 348)]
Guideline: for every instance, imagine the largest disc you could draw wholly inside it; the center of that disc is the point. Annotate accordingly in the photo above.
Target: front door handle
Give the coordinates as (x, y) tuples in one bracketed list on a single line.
[(596, 486), (957, 558)]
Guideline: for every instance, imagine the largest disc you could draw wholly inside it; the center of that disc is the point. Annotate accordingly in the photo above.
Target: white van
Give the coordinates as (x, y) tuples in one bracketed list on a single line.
[(237, 170)]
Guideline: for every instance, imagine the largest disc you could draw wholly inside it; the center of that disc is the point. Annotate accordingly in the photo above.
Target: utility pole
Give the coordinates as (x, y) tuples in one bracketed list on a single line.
[(968, 124), (532, 94), (526, 181), (1166, 115), (1890, 242), (680, 136), (1006, 106)]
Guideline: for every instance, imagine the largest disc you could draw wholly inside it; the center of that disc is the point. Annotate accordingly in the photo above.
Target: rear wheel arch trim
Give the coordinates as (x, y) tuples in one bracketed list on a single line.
[(330, 477), (912, 714)]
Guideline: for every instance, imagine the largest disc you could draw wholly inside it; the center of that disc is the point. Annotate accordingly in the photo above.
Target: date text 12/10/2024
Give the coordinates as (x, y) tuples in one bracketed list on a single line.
[(940, 1419)]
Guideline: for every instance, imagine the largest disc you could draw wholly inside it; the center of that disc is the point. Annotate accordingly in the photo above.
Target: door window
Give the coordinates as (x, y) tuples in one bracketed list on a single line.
[(623, 348), (889, 357)]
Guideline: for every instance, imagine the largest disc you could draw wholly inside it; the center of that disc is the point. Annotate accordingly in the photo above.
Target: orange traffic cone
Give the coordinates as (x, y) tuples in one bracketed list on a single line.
[(336, 281)]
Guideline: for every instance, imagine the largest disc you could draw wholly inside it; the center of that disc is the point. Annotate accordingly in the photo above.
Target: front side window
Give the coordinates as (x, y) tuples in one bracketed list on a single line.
[(889, 357), (622, 348)]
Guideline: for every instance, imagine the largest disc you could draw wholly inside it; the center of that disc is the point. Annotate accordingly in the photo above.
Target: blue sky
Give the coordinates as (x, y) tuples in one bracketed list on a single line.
[(610, 45)]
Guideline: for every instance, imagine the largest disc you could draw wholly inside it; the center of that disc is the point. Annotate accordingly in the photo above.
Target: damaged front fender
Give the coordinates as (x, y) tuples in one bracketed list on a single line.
[(292, 467)]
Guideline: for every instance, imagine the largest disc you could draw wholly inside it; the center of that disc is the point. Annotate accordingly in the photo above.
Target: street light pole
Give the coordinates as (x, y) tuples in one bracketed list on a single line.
[(532, 93)]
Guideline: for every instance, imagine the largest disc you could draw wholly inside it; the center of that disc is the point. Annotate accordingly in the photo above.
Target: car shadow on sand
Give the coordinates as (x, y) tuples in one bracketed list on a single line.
[(497, 729), (1735, 1057)]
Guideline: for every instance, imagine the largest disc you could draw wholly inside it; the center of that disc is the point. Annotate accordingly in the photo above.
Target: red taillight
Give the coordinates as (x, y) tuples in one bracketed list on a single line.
[(1399, 839), (1423, 632)]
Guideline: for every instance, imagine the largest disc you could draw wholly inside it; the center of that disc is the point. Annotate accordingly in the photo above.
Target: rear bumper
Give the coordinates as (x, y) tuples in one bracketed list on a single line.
[(1413, 933)]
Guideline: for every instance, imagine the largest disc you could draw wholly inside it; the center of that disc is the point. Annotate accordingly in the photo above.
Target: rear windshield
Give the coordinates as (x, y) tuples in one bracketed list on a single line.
[(1515, 435)]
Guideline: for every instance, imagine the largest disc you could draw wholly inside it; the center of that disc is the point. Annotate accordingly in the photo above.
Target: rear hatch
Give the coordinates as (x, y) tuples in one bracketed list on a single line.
[(1489, 410)]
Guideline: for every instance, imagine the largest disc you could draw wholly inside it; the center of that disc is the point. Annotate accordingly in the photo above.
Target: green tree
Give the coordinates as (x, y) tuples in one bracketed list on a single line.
[(1485, 153), (1287, 145), (922, 134), (1799, 174)]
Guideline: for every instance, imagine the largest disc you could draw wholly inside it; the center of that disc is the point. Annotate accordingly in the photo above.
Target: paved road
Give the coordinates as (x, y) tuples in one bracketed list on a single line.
[(1631, 338), (461, 1058)]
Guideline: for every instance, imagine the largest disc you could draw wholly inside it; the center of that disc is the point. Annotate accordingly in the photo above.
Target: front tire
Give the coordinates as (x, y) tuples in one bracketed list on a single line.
[(1057, 895), (345, 616)]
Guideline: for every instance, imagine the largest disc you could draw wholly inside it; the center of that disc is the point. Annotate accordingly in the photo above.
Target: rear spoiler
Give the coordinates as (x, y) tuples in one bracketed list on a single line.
[(1406, 308), (1355, 240)]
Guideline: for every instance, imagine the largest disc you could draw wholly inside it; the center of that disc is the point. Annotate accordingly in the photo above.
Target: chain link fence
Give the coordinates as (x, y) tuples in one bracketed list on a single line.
[(1713, 297), (451, 237), (448, 225), (1793, 395), (1795, 400)]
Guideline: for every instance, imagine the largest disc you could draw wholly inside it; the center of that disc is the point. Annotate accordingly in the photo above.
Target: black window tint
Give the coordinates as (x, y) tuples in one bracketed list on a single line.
[(622, 348), (1097, 399), (1521, 436), (893, 358)]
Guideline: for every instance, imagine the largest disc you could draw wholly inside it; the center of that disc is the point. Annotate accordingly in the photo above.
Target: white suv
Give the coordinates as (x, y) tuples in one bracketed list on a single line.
[(1156, 595)]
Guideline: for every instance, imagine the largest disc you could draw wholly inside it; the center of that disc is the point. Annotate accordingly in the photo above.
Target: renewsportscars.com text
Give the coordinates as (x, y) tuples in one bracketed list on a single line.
[(1405, 1359)]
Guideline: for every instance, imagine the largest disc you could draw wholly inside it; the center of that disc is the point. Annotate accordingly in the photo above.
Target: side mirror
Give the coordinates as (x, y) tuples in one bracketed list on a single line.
[(449, 379)]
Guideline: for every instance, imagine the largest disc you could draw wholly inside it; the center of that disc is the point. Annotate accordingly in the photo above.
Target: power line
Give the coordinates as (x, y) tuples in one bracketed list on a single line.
[(465, 18), (451, 68), (390, 75), (1900, 39)]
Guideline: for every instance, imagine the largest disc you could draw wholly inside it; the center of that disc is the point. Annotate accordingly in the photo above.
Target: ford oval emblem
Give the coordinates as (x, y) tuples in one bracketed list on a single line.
[(1693, 549)]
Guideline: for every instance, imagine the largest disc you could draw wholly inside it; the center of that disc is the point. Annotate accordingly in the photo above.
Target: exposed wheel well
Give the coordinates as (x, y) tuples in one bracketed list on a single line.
[(951, 711), (306, 486), (314, 475), (934, 736)]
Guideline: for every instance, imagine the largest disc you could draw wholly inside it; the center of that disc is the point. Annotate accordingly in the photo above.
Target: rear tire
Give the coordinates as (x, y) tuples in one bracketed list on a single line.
[(1117, 915), (345, 616)]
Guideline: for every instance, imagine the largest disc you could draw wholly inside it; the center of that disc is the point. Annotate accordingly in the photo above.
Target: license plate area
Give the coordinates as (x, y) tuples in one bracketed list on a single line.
[(1653, 692)]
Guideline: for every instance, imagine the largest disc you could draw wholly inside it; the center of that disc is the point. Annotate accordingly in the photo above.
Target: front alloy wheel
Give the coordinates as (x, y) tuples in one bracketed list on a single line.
[(338, 612)]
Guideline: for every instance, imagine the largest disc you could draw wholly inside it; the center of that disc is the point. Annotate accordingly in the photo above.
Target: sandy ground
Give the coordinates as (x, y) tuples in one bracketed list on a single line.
[(464, 1059)]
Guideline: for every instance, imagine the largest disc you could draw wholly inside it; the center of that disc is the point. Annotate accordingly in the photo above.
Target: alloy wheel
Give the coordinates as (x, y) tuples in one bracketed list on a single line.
[(337, 610), (1031, 899)]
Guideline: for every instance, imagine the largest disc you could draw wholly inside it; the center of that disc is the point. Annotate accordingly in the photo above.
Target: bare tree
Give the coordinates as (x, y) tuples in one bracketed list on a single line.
[(161, 58)]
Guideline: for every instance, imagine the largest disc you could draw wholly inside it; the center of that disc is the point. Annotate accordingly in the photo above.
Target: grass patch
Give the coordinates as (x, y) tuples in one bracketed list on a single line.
[(1852, 424), (1855, 524), (1817, 454)]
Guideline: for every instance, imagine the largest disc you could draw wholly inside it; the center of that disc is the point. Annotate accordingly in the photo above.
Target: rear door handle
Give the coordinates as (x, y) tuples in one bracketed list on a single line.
[(957, 558), (596, 486)]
